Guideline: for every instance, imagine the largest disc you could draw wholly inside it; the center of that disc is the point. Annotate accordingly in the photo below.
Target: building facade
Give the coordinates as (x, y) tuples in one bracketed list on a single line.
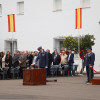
[(46, 23)]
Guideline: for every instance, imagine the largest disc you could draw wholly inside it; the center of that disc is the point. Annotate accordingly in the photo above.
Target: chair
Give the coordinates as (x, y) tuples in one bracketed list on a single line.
[(75, 68), (54, 69), (3, 72), (65, 69), (14, 71)]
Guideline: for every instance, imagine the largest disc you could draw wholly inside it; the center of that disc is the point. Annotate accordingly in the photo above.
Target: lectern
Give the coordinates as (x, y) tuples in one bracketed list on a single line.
[(34, 76)]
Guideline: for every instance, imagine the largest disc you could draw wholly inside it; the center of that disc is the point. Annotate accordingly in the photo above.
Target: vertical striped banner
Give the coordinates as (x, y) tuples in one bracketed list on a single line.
[(78, 19), (11, 23)]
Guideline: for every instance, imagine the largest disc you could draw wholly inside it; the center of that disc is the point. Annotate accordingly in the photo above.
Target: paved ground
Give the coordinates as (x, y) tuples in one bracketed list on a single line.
[(66, 88)]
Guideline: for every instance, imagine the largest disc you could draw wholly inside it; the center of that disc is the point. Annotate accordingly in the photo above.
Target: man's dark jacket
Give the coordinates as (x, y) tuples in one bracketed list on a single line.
[(43, 59), (71, 60), (57, 60)]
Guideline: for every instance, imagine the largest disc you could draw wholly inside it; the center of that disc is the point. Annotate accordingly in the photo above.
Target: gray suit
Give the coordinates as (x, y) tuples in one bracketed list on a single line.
[(22, 59)]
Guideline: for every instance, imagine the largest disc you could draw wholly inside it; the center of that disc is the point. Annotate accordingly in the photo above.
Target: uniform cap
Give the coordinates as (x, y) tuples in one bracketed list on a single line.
[(39, 48)]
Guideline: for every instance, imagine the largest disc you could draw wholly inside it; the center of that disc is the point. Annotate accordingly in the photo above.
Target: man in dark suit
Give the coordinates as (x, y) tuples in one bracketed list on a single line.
[(89, 61), (29, 58), (70, 61), (49, 62), (56, 58), (15, 59)]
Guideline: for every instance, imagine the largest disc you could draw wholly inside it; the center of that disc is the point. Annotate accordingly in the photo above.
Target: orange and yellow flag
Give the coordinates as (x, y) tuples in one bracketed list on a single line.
[(11, 23), (78, 12)]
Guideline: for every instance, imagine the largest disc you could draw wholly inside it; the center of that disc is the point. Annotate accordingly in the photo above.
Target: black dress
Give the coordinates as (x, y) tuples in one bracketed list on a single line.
[(8, 60)]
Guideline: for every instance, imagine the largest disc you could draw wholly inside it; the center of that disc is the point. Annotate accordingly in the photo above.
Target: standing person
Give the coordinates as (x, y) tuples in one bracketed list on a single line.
[(0, 61), (63, 58), (1, 56), (56, 58), (49, 62), (29, 58), (70, 61), (43, 58), (22, 62), (53, 53), (89, 61), (64, 61), (8, 63), (15, 59), (63, 49), (3, 60), (35, 55)]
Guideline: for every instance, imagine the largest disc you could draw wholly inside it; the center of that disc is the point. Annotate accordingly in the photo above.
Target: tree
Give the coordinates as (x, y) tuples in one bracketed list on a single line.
[(86, 41), (71, 43)]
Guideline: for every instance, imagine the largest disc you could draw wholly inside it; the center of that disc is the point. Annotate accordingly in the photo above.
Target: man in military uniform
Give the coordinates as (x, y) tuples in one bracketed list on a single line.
[(89, 61), (43, 58)]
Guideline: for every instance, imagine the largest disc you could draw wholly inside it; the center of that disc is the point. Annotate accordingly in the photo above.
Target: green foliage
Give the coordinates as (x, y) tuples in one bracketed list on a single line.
[(86, 41), (70, 43)]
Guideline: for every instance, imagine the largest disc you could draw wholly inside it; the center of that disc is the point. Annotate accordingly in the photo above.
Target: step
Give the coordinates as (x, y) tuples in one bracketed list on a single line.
[(95, 81), (51, 80)]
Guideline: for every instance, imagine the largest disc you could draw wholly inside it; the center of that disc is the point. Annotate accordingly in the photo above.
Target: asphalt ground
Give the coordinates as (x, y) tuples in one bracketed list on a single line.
[(66, 88)]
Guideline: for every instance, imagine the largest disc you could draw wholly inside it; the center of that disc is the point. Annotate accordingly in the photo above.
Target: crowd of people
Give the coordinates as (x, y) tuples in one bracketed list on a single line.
[(44, 59), (36, 59)]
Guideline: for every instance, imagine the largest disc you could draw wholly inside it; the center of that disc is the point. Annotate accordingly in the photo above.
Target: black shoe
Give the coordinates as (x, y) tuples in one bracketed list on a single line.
[(87, 81)]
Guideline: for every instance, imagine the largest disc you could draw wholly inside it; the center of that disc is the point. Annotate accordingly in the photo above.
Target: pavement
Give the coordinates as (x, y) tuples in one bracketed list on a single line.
[(66, 88)]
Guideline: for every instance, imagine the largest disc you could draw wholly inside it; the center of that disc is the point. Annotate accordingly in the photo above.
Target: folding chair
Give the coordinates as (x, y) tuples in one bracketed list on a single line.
[(54, 69), (14, 71), (65, 69), (4, 73), (75, 68)]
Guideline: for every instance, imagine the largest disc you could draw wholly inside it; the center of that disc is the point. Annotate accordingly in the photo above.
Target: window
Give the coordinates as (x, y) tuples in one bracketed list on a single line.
[(0, 9), (85, 3), (57, 4), (20, 8)]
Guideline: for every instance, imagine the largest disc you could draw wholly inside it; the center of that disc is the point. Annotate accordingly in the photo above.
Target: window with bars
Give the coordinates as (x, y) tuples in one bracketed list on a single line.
[(20, 8), (57, 5), (85, 3)]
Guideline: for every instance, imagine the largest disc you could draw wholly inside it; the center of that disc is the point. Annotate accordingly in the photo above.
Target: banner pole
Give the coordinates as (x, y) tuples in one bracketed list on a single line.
[(78, 41), (80, 61), (82, 65), (12, 44)]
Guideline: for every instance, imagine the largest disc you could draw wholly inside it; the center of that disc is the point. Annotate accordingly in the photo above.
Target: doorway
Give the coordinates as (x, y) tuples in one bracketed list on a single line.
[(10, 46)]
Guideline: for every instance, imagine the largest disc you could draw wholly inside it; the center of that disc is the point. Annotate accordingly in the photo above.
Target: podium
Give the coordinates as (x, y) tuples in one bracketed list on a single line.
[(34, 76)]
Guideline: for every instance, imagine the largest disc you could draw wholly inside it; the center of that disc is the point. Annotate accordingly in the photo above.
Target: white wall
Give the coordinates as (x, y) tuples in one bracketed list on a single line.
[(39, 24)]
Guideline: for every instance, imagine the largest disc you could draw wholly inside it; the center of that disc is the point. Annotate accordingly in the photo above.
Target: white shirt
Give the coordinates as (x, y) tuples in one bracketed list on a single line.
[(69, 57), (34, 60)]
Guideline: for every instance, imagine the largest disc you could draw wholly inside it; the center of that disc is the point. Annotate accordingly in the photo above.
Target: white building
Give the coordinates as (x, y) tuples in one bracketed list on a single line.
[(46, 22)]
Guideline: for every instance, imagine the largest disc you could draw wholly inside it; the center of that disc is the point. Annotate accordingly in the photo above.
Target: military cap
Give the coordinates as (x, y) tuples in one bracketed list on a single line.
[(39, 48)]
